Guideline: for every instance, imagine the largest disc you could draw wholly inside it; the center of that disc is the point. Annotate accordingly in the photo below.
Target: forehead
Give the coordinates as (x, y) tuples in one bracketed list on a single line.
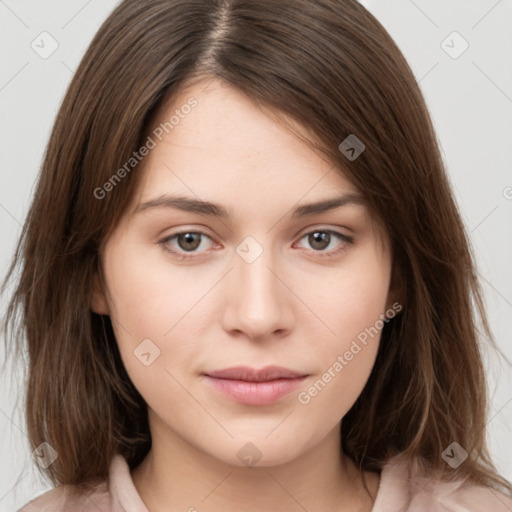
[(226, 141)]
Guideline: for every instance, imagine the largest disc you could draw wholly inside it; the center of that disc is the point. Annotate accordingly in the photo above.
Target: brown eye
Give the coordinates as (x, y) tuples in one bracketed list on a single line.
[(319, 240), (191, 242), (322, 239), (188, 241)]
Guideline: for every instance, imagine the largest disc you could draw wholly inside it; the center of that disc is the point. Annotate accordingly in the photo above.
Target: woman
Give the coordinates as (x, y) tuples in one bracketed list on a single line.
[(245, 283)]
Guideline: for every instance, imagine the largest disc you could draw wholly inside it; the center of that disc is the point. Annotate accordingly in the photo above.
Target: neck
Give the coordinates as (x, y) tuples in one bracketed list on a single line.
[(177, 476)]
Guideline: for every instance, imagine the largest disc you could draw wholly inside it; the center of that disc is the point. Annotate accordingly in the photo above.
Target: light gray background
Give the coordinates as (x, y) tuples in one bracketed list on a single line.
[(470, 99)]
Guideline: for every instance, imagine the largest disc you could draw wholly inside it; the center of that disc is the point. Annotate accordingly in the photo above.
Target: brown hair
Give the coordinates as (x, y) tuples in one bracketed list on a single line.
[(331, 66)]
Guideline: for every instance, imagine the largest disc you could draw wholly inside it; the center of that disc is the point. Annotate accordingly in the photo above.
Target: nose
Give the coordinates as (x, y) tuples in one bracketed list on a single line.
[(258, 301)]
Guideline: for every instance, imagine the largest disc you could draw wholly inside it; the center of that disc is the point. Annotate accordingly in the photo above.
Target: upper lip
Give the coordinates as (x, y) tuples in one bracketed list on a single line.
[(253, 375)]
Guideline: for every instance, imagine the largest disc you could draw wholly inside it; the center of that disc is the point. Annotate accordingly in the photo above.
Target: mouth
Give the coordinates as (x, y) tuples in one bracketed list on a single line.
[(255, 387)]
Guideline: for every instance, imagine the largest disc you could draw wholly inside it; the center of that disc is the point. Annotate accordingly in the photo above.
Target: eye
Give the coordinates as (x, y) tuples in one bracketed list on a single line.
[(321, 239), (187, 241)]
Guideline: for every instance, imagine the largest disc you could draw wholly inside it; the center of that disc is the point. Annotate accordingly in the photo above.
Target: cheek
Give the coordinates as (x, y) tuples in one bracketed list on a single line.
[(352, 306), (145, 305), (147, 296), (345, 360), (143, 308), (351, 300)]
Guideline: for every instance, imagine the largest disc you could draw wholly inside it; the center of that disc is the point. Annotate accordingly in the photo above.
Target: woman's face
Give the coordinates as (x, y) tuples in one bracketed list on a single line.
[(261, 279)]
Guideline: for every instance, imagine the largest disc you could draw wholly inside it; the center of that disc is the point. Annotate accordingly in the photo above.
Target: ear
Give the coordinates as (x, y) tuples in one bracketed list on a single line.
[(396, 292), (98, 303)]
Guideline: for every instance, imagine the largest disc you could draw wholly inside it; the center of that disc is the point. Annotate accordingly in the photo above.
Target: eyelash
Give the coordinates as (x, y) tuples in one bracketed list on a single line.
[(348, 240)]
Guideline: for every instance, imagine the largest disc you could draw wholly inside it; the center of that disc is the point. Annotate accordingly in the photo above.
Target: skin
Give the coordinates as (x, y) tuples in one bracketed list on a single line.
[(290, 307)]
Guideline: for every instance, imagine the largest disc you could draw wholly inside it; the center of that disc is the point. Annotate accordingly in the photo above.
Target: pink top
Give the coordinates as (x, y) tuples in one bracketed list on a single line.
[(403, 487)]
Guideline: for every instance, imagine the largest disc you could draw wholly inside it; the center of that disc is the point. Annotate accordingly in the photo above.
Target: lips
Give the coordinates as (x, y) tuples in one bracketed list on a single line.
[(255, 387), (252, 375)]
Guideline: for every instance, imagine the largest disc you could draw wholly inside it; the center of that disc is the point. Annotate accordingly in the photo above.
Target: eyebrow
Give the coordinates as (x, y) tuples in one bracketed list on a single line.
[(189, 204)]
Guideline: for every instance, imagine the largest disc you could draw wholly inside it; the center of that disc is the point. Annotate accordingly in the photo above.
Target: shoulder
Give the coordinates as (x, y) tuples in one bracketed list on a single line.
[(117, 493), (407, 485), (68, 498)]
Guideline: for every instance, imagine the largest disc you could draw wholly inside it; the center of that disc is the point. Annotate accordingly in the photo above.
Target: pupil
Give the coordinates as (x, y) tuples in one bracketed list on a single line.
[(189, 240), (319, 237)]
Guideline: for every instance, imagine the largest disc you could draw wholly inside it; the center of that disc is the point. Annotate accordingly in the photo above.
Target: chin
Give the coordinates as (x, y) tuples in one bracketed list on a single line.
[(258, 452)]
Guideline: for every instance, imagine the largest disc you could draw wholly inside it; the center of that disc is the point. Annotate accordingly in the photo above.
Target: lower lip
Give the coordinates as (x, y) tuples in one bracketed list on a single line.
[(255, 393)]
